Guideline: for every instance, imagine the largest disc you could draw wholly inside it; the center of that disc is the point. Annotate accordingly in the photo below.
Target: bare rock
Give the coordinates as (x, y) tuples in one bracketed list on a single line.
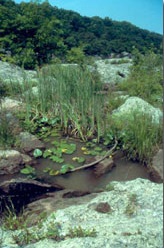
[(156, 169), (29, 142), (10, 161), (103, 207), (104, 166)]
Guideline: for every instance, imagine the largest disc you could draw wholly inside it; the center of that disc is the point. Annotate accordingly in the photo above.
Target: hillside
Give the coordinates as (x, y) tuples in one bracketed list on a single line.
[(33, 34)]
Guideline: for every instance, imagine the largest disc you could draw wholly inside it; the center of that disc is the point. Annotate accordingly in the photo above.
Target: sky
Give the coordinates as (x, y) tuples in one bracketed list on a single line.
[(145, 14)]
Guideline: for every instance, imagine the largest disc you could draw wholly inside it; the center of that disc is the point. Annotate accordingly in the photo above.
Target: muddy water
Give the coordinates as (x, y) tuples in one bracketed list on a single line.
[(86, 180)]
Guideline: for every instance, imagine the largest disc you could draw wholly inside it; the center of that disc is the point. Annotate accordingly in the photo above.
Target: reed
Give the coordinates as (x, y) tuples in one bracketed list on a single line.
[(70, 93)]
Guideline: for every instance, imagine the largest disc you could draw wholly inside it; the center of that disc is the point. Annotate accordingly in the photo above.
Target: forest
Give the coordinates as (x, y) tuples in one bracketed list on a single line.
[(36, 33)]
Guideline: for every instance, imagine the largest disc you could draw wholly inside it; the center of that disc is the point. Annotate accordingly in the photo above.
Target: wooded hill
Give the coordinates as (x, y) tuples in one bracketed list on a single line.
[(35, 33)]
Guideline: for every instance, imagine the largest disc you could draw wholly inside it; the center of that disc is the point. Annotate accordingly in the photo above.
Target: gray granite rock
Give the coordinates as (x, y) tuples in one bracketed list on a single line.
[(11, 161), (12, 73), (140, 106), (133, 219), (112, 71)]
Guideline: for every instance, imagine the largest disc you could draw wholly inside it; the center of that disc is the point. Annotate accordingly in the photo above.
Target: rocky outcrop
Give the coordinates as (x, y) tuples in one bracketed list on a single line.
[(140, 106), (11, 161), (12, 73), (113, 71), (29, 142), (129, 215)]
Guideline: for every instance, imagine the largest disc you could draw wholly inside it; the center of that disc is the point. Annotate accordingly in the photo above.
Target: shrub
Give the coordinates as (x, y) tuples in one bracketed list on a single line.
[(145, 79)]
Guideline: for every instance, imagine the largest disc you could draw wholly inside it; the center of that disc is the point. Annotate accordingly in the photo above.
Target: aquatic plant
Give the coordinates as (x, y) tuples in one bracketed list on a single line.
[(29, 171)]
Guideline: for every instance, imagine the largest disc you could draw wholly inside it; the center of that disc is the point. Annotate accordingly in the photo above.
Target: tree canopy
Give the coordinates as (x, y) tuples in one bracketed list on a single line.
[(35, 33)]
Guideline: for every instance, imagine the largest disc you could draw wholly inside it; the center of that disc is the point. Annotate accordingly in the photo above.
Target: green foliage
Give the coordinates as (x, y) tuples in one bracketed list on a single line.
[(132, 205), (29, 170), (37, 153), (76, 55), (138, 136), (34, 32), (65, 168), (79, 232), (145, 79), (7, 137), (59, 95)]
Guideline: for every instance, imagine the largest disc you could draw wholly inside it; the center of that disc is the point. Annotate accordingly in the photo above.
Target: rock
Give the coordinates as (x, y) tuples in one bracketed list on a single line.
[(103, 207), (135, 219), (12, 73), (156, 168), (11, 105), (22, 191), (112, 70), (11, 161), (140, 106), (29, 142), (104, 166)]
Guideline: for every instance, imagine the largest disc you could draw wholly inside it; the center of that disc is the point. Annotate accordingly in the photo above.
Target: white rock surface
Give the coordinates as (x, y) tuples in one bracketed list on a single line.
[(117, 228), (137, 104), (108, 70), (12, 73)]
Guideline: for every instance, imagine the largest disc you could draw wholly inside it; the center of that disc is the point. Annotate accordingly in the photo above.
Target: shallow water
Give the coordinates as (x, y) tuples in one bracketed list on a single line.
[(83, 180)]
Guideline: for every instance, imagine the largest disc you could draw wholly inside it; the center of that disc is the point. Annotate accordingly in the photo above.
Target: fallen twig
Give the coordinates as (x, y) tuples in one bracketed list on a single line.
[(97, 161)]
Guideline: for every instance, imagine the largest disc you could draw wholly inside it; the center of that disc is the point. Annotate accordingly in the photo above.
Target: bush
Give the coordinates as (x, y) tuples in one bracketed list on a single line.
[(145, 79)]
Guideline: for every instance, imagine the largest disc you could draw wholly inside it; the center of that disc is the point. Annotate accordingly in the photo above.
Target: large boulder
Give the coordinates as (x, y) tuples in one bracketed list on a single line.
[(129, 215), (137, 104), (11, 161), (12, 73)]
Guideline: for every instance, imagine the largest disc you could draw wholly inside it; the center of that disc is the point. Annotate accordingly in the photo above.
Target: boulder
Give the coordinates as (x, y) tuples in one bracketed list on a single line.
[(29, 142), (156, 168), (140, 106), (112, 70), (11, 104), (130, 215), (12, 73), (11, 161), (23, 191)]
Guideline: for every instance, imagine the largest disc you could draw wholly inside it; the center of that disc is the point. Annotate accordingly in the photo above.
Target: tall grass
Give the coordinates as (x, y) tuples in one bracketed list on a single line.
[(69, 92), (139, 136)]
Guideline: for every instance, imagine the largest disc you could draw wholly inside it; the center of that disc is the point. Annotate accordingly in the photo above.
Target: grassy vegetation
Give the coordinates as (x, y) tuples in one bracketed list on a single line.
[(26, 233), (145, 79), (69, 97)]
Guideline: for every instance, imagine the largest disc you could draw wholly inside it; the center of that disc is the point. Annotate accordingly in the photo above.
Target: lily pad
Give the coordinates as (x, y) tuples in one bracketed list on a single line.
[(37, 153), (54, 172), (65, 168), (47, 153), (56, 159), (28, 170), (79, 159)]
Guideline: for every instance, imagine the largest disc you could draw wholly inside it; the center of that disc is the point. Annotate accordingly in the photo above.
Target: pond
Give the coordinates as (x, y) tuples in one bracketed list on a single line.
[(85, 179)]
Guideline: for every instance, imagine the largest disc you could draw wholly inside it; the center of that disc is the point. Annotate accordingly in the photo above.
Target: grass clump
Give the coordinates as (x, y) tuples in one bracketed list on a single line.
[(139, 137), (80, 232), (132, 205), (7, 137)]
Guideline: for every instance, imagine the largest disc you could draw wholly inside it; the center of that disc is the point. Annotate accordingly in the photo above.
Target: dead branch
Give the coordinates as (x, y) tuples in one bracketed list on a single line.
[(97, 161)]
